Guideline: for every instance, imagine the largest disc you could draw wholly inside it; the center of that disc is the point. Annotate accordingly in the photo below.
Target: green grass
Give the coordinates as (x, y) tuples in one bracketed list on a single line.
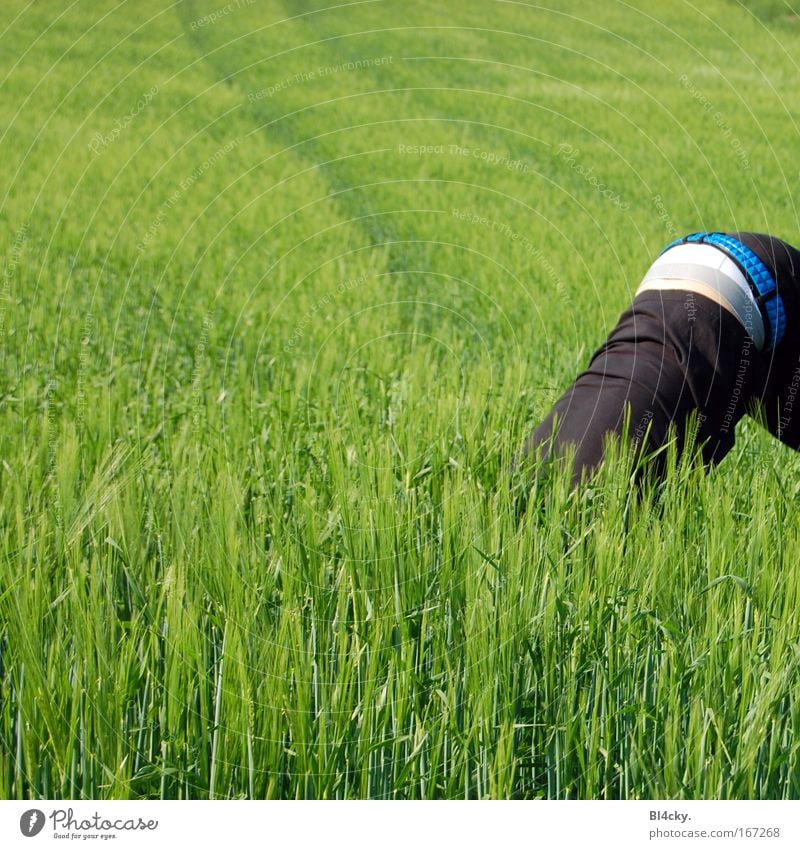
[(264, 370)]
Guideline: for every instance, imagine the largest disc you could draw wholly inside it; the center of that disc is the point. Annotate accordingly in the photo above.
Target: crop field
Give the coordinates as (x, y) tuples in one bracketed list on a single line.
[(283, 289)]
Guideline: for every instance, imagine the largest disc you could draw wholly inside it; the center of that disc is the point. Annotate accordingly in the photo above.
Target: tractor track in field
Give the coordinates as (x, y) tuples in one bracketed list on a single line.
[(271, 117)]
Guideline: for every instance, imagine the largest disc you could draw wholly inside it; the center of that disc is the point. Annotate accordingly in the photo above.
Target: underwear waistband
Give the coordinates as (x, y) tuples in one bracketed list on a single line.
[(758, 276), (713, 283)]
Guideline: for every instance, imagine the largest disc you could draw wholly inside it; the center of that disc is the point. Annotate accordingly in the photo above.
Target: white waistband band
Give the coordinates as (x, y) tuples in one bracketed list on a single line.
[(708, 267)]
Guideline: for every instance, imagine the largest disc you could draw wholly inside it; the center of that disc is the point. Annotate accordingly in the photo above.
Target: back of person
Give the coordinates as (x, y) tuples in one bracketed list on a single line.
[(713, 333)]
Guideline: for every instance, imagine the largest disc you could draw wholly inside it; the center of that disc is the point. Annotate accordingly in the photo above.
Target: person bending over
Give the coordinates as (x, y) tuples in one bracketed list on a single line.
[(713, 333)]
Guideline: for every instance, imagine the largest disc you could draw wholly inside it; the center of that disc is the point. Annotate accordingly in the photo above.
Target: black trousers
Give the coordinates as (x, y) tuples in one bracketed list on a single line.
[(673, 356)]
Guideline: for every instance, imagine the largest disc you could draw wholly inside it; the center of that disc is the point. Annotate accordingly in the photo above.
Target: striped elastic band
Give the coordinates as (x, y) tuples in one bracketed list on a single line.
[(762, 283), (709, 271)]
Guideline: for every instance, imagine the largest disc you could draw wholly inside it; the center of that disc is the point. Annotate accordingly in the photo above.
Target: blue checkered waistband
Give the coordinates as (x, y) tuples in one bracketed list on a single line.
[(762, 283)]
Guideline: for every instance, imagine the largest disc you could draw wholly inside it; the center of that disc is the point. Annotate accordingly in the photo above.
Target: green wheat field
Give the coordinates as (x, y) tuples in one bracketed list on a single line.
[(284, 288)]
